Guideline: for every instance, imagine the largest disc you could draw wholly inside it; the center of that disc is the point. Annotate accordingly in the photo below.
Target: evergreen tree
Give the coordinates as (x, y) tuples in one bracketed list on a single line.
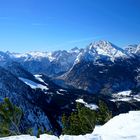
[(10, 117), (84, 119), (80, 122), (87, 119), (104, 114), (65, 123), (75, 124)]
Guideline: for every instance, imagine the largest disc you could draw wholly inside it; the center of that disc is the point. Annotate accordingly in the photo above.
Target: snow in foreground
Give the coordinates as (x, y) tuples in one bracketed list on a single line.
[(122, 127)]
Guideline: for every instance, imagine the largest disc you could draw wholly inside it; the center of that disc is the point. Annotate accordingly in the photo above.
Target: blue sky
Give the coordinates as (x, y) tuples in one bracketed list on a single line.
[(47, 25)]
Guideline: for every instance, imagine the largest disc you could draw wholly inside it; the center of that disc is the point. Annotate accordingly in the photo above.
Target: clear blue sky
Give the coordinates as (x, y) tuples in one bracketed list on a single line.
[(27, 25)]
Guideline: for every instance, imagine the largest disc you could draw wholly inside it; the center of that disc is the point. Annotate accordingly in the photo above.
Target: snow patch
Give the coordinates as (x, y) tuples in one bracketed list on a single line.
[(125, 93), (62, 90), (125, 96), (33, 84), (91, 106), (38, 77), (126, 99), (59, 93), (81, 101)]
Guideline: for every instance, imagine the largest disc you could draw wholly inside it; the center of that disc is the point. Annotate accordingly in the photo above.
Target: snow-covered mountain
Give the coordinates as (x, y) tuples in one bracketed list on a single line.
[(86, 68), (102, 58), (104, 68), (59, 62), (101, 50), (122, 127), (50, 63), (133, 49)]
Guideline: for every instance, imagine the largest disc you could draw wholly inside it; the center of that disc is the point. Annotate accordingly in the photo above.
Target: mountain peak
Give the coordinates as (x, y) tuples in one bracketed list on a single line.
[(105, 48), (100, 50), (102, 44)]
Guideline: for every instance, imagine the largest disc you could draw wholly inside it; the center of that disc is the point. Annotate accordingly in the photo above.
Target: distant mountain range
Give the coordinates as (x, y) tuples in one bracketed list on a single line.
[(46, 85), (58, 62), (99, 66)]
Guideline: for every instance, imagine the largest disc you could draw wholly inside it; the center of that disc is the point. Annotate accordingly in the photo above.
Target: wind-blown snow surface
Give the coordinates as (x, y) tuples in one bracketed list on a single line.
[(122, 127)]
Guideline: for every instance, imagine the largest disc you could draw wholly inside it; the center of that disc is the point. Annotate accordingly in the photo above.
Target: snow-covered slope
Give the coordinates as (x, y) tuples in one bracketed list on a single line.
[(61, 61), (101, 50), (125, 96), (133, 49), (33, 84), (97, 49), (36, 55), (122, 127), (50, 63), (58, 62)]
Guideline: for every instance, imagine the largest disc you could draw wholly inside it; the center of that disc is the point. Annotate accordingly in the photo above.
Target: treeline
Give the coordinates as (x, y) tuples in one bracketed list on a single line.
[(83, 120)]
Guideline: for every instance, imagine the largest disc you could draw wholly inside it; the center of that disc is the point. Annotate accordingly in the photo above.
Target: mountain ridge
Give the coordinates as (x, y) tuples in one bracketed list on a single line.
[(58, 62)]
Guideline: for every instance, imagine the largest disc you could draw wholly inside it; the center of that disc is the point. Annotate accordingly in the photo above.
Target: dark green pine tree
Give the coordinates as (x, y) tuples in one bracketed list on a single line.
[(87, 119), (10, 117), (75, 124), (65, 122), (79, 122), (84, 119), (104, 114)]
